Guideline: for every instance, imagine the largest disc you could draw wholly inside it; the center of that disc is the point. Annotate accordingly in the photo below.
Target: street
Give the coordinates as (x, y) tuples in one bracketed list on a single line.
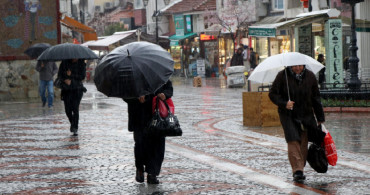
[(215, 155)]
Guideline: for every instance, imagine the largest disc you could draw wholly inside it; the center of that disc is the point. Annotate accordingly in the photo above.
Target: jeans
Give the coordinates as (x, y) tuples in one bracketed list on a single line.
[(42, 88)]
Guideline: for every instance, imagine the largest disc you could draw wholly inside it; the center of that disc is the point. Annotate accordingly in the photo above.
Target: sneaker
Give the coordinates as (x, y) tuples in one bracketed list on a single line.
[(51, 106), (152, 179), (298, 176), (43, 104), (139, 176)]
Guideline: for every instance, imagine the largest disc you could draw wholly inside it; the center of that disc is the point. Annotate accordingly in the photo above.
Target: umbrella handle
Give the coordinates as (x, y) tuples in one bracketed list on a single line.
[(287, 85)]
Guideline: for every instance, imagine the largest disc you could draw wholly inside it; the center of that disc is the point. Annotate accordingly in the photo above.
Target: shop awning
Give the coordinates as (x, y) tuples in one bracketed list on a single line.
[(176, 38), (271, 30), (88, 33), (104, 44)]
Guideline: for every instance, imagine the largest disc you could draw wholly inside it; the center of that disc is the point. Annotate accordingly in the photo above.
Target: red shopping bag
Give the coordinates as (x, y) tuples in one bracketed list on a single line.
[(330, 149), (162, 107)]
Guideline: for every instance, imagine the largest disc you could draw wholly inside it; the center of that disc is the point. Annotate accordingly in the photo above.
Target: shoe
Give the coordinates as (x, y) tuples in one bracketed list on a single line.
[(51, 106), (152, 179), (139, 176), (298, 176), (74, 130), (43, 104)]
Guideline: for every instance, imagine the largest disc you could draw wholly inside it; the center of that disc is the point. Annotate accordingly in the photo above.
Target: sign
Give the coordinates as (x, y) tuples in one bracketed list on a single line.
[(179, 25), (201, 68), (334, 55), (189, 28), (174, 43), (262, 32), (204, 37), (304, 40)]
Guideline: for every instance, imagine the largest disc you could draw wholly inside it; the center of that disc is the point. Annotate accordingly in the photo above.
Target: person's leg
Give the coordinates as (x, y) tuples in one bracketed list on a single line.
[(304, 146), (139, 153), (155, 156), (50, 87), (295, 156), (42, 89), (76, 100)]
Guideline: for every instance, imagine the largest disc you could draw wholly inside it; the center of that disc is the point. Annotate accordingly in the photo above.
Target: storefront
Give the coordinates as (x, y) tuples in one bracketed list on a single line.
[(225, 50), (209, 52), (184, 51), (311, 33)]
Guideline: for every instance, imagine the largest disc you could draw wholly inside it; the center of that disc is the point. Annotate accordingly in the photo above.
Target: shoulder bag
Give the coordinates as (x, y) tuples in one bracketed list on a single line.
[(164, 126)]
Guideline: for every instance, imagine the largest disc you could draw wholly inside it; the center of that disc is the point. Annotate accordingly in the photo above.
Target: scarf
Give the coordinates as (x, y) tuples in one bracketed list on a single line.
[(299, 76)]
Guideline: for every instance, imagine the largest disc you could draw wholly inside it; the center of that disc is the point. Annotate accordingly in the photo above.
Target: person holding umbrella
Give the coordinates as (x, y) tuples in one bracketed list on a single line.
[(71, 73), (148, 150), (47, 71), (296, 93)]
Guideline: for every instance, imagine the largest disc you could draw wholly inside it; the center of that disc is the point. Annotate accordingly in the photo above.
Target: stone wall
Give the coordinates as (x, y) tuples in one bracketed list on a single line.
[(19, 81)]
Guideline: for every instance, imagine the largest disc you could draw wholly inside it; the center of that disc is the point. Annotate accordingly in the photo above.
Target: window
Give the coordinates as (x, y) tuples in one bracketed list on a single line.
[(278, 4)]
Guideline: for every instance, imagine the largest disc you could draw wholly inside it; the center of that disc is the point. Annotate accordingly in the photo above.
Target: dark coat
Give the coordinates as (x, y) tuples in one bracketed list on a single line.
[(78, 70), (139, 114), (306, 96), (237, 60)]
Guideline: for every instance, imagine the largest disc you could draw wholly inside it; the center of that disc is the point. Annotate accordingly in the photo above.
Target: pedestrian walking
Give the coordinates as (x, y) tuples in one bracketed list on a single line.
[(253, 58), (237, 59), (72, 72), (47, 71), (296, 93), (148, 150), (321, 59)]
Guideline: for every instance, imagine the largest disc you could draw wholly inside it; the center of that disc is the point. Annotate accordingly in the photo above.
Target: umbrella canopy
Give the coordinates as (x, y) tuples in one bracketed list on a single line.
[(267, 70), (133, 70), (67, 51), (36, 49)]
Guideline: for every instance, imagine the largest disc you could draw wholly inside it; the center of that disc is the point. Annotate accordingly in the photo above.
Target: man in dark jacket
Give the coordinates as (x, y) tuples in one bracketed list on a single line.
[(237, 59), (297, 114), (47, 70), (149, 150)]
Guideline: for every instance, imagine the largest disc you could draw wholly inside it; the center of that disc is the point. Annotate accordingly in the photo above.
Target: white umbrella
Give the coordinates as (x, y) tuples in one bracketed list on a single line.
[(267, 70)]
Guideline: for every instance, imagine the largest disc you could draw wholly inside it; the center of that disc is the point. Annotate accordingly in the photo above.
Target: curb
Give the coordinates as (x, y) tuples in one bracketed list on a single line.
[(347, 109)]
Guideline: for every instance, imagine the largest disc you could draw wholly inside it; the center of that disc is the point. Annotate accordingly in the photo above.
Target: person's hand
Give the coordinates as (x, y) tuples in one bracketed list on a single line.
[(142, 99), (319, 123), (289, 105), (67, 81), (162, 96), (69, 72)]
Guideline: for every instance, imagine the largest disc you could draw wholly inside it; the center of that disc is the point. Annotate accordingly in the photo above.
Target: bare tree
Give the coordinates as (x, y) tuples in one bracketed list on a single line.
[(233, 16)]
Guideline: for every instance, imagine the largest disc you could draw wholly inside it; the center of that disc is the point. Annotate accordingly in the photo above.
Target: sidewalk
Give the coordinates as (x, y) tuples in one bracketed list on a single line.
[(216, 154)]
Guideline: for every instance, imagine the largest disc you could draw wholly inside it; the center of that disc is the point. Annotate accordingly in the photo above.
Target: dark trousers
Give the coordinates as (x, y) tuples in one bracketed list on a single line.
[(72, 99), (149, 152)]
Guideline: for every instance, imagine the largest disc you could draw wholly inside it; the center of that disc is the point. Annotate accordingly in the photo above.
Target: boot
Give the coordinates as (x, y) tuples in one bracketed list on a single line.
[(152, 179)]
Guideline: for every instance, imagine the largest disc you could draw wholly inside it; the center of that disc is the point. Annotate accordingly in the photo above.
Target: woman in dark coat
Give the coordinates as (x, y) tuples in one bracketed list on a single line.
[(71, 73), (149, 150), (297, 116)]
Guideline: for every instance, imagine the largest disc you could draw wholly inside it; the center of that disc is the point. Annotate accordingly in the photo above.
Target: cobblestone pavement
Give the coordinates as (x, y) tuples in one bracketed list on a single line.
[(215, 155)]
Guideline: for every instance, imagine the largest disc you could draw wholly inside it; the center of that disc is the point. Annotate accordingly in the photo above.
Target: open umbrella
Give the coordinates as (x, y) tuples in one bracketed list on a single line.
[(267, 70), (67, 51), (133, 70), (35, 50)]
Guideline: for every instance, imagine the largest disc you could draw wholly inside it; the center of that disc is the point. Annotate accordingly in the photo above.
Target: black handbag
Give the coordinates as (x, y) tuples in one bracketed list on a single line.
[(165, 127), (58, 83), (317, 159)]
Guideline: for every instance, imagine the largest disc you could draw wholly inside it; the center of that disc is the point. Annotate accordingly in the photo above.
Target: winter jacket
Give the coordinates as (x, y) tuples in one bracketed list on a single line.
[(140, 114), (48, 71), (78, 74), (306, 96)]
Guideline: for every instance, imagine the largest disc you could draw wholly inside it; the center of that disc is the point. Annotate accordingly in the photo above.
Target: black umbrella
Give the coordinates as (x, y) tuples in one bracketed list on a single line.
[(133, 70), (67, 51), (36, 49)]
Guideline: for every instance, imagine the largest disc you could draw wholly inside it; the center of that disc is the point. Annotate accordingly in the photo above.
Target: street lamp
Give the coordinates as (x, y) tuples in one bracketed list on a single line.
[(156, 16), (354, 83)]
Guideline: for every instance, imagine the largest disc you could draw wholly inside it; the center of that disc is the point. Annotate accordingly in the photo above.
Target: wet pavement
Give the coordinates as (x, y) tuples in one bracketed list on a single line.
[(215, 155)]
